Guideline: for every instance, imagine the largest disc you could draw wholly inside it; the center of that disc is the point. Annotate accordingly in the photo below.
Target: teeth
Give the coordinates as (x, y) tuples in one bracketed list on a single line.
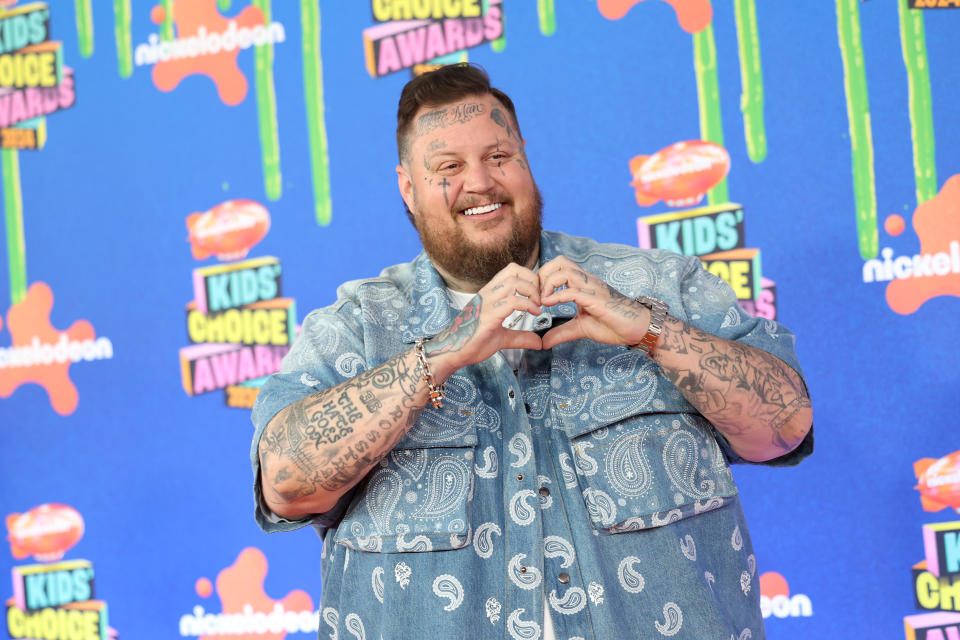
[(487, 208)]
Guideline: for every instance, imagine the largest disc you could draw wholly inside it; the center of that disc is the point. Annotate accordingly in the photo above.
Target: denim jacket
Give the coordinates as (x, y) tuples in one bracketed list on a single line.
[(583, 480)]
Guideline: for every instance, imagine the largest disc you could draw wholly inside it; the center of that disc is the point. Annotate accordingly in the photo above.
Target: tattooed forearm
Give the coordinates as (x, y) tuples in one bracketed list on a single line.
[(317, 448), (751, 396)]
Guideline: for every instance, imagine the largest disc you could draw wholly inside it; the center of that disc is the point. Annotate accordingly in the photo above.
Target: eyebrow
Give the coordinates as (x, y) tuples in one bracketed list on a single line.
[(440, 151)]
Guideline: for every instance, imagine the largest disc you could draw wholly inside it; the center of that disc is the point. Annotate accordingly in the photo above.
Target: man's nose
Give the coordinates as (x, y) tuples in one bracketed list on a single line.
[(478, 178)]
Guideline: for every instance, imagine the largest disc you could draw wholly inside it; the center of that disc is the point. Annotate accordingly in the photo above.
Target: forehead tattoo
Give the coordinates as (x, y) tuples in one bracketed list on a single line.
[(497, 116), (430, 121), (443, 117)]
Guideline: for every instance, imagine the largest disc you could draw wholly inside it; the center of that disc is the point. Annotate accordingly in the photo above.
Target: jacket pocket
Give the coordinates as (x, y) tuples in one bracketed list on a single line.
[(418, 497), (641, 463)]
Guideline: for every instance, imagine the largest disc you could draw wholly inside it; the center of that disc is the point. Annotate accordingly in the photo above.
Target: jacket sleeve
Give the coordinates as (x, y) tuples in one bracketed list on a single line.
[(710, 304)]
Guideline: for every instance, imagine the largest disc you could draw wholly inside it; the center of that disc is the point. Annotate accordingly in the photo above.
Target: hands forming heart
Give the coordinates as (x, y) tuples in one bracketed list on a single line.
[(603, 313)]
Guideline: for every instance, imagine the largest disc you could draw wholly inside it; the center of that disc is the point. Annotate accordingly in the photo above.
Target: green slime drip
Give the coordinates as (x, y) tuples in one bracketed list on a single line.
[(267, 111), (913, 42), (751, 79), (223, 4), (548, 19), (13, 210), (316, 126), (861, 137), (84, 27), (121, 30), (166, 27), (708, 94)]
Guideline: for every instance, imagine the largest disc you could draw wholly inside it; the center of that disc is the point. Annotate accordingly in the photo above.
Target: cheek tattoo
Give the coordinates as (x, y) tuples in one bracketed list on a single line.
[(445, 184)]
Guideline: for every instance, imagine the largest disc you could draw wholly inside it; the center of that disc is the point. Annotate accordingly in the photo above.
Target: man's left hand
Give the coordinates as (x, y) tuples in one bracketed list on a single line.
[(603, 313)]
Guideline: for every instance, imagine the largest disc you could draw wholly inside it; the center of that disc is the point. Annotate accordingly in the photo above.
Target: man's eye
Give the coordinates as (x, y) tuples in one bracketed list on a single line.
[(448, 166)]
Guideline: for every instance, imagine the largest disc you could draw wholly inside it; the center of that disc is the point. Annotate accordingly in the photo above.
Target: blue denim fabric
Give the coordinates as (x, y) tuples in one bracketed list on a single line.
[(585, 480)]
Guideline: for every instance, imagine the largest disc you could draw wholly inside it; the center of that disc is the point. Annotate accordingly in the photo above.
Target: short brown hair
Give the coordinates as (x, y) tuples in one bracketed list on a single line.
[(441, 86)]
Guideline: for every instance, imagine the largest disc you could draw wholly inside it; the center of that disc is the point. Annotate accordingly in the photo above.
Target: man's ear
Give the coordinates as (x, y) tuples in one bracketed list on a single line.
[(405, 184)]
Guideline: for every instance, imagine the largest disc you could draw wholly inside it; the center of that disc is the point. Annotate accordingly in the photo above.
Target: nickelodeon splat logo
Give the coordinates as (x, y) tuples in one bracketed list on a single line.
[(247, 612), (776, 601), (55, 599), (42, 355), (935, 271), (692, 15), (196, 38)]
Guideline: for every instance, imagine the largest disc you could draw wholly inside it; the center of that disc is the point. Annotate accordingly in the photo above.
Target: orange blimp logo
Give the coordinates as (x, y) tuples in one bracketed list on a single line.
[(45, 532), (228, 230), (680, 174), (938, 482)]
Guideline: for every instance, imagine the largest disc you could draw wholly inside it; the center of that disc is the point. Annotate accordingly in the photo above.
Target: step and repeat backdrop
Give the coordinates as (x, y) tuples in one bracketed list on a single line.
[(184, 180)]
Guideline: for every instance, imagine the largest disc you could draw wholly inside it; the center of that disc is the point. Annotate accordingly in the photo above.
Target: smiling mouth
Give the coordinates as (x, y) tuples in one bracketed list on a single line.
[(487, 208)]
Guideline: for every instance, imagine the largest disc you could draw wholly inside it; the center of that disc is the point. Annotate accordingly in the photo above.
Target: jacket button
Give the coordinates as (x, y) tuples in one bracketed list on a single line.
[(544, 492), (564, 578), (520, 477), (523, 569), (511, 393)]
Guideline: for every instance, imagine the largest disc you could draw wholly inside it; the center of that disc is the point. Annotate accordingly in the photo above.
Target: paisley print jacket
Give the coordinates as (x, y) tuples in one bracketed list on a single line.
[(583, 481)]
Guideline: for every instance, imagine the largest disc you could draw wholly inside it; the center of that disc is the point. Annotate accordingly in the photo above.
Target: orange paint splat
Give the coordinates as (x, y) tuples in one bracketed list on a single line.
[(158, 14), (241, 584), (190, 16), (937, 223), (29, 324), (773, 584), (894, 224), (204, 587), (693, 15)]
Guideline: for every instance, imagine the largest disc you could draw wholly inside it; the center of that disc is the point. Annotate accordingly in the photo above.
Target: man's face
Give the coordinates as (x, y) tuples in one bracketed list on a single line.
[(468, 185)]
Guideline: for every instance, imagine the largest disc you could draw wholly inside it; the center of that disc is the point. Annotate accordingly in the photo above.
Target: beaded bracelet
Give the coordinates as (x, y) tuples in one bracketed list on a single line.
[(437, 393)]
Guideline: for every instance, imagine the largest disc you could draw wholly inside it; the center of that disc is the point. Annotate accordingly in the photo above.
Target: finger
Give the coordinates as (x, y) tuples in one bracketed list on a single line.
[(515, 285), (515, 339), (515, 270), (556, 264), (564, 333), (566, 275), (585, 297), (506, 305)]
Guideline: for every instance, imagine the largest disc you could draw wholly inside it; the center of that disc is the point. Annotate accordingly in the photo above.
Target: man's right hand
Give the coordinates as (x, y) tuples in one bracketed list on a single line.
[(478, 332)]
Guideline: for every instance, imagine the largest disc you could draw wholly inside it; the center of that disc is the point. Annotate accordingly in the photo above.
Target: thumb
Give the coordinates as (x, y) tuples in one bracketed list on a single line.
[(515, 339), (564, 333)]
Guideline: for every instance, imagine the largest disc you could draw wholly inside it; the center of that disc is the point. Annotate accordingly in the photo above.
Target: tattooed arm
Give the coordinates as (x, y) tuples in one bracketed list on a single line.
[(314, 450), (757, 401)]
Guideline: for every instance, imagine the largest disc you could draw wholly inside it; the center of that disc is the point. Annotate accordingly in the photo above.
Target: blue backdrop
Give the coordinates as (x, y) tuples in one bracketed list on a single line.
[(98, 218)]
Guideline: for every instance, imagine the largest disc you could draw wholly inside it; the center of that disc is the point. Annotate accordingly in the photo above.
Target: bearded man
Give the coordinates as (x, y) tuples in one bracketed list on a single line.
[(523, 434)]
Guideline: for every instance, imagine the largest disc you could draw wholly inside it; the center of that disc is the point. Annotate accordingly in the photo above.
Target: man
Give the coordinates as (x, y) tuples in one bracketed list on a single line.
[(482, 451)]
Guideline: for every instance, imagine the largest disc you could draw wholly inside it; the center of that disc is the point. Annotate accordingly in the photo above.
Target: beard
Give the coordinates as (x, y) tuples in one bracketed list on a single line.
[(477, 264)]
